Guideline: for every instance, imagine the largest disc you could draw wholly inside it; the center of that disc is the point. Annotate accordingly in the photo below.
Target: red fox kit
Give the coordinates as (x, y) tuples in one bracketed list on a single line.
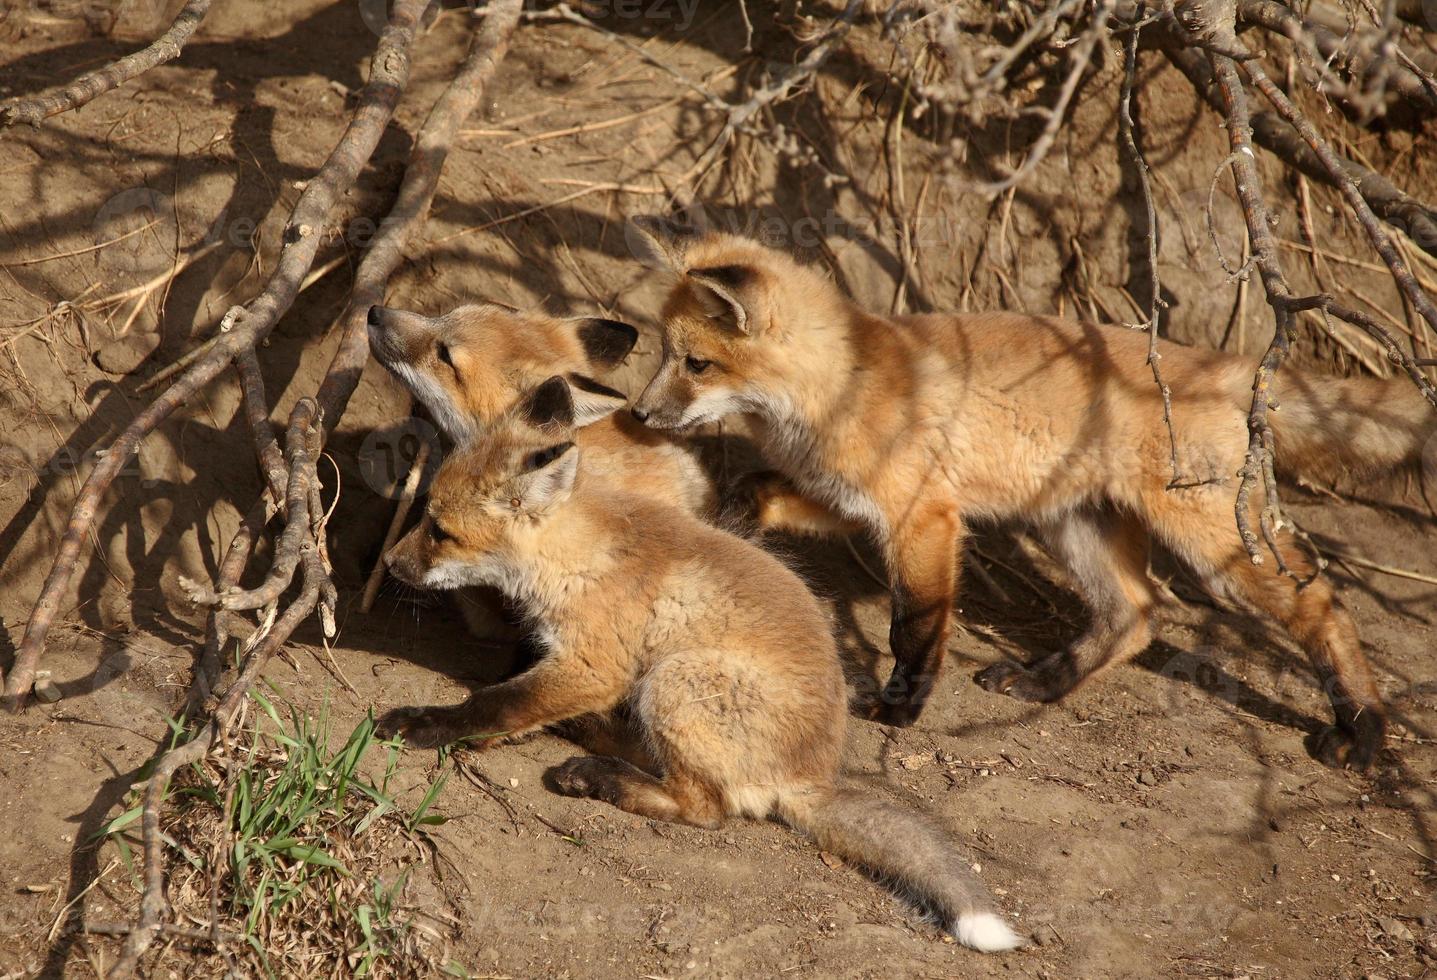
[(912, 426), (726, 662), (471, 365)]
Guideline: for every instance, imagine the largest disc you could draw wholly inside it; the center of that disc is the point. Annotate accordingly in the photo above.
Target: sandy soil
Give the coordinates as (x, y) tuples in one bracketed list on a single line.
[(1164, 821)]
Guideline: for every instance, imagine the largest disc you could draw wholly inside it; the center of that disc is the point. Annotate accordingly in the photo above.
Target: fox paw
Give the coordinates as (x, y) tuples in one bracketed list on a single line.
[(1032, 684), (900, 714), (576, 776), (1340, 749), (421, 728)]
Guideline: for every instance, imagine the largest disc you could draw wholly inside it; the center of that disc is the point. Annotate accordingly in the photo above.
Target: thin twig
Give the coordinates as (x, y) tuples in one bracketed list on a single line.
[(1156, 304)]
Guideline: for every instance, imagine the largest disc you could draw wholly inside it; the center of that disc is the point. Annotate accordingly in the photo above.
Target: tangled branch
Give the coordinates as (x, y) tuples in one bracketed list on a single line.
[(294, 478), (248, 325)]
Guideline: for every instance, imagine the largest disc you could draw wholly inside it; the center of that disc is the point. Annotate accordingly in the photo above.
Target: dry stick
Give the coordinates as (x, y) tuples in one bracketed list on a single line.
[(164, 48), (1258, 462), (411, 206), (83, 251), (294, 542), (738, 116), (194, 354), (594, 127), (152, 903), (401, 512), (1396, 207), (207, 671), (1378, 235), (388, 75), (1384, 569), (1140, 167), (1395, 353), (309, 424)]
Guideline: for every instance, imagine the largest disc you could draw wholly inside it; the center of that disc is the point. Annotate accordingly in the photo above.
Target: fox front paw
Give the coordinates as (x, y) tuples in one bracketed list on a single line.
[(576, 776), (421, 728), (900, 714), (1338, 748)]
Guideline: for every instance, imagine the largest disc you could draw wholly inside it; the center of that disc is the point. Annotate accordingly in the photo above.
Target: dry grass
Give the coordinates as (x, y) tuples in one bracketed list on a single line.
[(288, 861)]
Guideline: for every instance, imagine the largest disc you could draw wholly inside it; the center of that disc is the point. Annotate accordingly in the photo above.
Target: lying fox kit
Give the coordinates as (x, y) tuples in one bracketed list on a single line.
[(912, 426), (474, 363), (725, 662)]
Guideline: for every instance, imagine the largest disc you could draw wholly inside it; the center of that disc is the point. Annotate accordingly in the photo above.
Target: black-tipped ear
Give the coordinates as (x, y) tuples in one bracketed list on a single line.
[(606, 342), (593, 401), (550, 404), (731, 289), (660, 242), (543, 457)]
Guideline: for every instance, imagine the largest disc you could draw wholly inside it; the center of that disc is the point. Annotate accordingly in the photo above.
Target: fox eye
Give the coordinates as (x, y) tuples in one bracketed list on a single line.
[(696, 365), (542, 458), (437, 534), (441, 350)]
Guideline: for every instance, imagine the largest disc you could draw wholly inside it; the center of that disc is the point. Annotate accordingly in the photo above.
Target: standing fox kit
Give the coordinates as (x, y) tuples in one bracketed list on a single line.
[(912, 426), (727, 664)]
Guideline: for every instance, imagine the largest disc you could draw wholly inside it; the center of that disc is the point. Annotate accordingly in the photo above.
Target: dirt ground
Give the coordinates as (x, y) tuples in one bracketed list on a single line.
[(1164, 821)]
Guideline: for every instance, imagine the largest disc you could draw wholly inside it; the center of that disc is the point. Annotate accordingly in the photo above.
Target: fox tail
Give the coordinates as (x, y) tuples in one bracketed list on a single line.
[(908, 851)]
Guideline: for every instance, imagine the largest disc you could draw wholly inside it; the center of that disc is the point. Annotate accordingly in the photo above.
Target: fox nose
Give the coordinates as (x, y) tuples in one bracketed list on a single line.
[(642, 414), (376, 314)]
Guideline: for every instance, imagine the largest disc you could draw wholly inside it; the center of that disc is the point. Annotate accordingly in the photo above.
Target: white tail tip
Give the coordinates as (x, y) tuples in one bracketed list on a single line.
[(985, 932)]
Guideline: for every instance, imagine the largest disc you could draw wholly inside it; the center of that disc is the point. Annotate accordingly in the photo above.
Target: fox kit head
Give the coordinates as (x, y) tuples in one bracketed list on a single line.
[(737, 323), (505, 484), (471, 365)]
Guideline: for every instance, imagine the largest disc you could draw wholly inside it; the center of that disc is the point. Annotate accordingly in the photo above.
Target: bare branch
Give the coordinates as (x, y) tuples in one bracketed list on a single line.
[(1330, 162), (294, 477), (1078, 63), (1417, 219), (86, 88), (1359, 57), (389, 73), (1258, 463)]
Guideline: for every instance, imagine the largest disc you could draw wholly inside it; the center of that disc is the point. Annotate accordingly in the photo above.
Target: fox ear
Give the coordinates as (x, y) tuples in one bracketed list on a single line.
[(548, 475), (660, 242), (731, 293), (606, 342), (593, 401), (552, 403)]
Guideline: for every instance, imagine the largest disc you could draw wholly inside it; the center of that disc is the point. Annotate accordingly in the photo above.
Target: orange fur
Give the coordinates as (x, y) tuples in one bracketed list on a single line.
[(727, 666), (913, 425)]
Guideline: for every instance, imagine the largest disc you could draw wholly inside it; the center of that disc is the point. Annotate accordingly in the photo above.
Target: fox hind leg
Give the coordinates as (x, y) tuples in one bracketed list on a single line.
[(1307, 608), (674, 799), (1106, 553)]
